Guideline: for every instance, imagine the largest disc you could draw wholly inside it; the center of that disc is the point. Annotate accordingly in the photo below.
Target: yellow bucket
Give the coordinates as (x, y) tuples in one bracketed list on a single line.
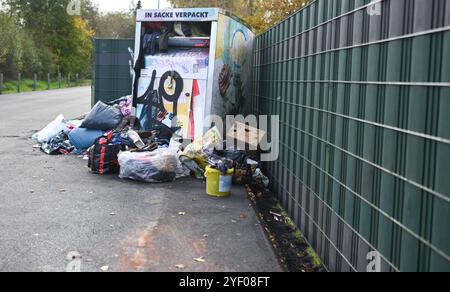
[(217, 184)]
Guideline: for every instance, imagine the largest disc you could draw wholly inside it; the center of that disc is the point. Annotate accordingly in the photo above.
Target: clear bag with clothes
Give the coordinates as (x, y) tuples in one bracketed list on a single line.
[(153, 167)]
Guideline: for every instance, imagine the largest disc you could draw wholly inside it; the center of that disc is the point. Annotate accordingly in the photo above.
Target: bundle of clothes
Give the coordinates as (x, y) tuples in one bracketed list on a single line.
[(157, 34)]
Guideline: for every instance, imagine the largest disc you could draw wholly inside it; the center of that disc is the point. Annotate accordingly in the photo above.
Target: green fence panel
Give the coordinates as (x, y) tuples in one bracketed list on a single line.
[(112, 77), (362, 89)]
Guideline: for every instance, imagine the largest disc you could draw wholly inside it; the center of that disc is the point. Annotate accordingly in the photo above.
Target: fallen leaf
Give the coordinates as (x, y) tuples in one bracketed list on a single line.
[(112, 214), (243, 216), (205, 235), (32, 191), (181, 213), (233, 221), (200, 260), (62, 190), (104, 268), (180, 266)]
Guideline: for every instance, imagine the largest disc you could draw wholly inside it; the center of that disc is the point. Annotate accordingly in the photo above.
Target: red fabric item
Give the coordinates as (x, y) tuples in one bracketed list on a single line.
[(102, 161), (154, 26), (195, 93)]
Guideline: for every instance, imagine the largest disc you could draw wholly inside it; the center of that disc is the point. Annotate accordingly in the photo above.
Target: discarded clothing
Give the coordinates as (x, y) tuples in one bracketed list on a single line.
[(58, 145), (125, 104), (129, 122), (151, 43), (166, 32), (51, 130), (183, 29), (103, 117), (82, 139), (72, 125)]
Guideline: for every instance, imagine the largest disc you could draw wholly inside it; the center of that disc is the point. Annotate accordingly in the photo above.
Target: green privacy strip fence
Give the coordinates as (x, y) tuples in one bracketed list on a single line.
[(112, 77), (363, 93)]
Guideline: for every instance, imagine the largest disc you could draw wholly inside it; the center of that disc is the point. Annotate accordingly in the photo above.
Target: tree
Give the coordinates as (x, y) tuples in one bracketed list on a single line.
[(116, 25), (260, 14), (18, 51), (60, 39)]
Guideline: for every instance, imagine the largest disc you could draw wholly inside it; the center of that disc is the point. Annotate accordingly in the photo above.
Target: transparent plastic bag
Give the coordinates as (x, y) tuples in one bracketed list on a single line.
[(152, 167)]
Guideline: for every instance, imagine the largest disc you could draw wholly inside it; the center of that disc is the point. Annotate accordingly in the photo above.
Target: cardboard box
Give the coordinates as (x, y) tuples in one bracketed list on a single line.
[(247, 135)]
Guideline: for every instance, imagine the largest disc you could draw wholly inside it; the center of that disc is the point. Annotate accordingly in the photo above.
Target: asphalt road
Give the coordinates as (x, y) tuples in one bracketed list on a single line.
[(51, 206)]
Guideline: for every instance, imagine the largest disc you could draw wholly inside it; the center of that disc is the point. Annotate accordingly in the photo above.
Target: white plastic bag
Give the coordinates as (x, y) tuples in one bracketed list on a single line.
[(260, 178), (51, 130)]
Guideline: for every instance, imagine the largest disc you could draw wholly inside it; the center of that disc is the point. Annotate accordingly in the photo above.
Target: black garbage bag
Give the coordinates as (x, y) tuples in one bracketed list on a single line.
[(103, 117), (58, 145)]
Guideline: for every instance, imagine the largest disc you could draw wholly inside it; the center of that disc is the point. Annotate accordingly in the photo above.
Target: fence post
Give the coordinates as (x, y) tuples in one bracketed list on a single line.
[(35, 82), (19, 77), (1, 83), (59, 79), (49, 81)]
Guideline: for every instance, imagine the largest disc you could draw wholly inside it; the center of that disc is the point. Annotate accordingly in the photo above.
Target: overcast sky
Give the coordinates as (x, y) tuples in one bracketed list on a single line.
[(122, 5)]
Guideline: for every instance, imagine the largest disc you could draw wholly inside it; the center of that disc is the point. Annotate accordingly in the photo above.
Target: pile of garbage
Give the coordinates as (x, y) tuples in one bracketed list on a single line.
[(112, 141)]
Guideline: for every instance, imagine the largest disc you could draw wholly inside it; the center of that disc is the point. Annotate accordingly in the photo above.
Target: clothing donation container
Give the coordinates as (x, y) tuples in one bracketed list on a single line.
[(191, 64)]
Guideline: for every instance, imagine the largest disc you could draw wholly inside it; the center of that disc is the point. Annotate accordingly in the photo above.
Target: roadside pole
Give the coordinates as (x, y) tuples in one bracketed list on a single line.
[(35, 82), (49, 81), (1, 83), (59, 79), (19, 77)]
